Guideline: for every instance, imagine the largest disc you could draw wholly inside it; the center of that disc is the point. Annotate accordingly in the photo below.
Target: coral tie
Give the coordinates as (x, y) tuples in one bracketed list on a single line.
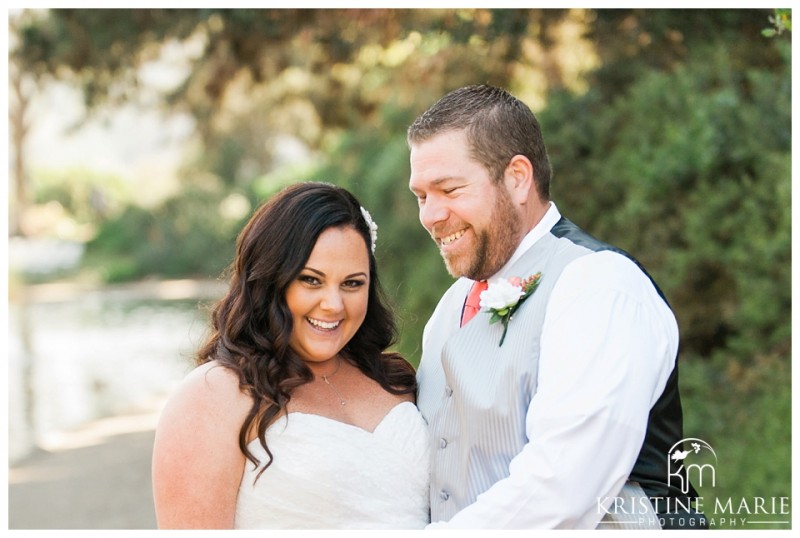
[(473, 304)]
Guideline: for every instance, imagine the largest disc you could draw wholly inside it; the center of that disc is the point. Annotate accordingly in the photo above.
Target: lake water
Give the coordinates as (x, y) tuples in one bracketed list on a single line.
[(85, 355)]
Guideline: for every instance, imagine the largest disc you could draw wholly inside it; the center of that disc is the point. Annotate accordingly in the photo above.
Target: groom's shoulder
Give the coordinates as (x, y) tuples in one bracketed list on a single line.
[(448, 309)]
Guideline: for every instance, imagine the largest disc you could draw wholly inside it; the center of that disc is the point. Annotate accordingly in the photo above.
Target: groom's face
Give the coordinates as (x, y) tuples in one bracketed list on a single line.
[(469, 215)]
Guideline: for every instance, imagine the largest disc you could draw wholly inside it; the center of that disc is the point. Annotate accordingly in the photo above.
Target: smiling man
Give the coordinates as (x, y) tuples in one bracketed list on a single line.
[(563, 415)]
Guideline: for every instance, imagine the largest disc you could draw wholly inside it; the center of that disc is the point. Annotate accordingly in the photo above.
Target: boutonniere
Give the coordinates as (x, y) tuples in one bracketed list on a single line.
[(504, 296)]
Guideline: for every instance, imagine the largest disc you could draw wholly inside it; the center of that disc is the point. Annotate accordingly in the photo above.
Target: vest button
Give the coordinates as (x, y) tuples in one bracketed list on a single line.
[(444, 495), (442, 442), (448, 391)]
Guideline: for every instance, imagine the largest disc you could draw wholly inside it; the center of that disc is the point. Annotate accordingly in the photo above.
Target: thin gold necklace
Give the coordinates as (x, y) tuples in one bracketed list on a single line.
[(326, 379)]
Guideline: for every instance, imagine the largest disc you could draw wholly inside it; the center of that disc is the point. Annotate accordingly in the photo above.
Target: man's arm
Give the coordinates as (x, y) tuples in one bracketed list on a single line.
[(608, 345)]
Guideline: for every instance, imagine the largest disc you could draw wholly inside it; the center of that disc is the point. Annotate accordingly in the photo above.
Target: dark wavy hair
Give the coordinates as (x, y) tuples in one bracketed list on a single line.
[(251, 324), (498, 126)]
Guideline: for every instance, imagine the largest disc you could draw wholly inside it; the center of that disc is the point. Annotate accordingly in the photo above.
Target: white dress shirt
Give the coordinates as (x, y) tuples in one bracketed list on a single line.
[(609, 343)]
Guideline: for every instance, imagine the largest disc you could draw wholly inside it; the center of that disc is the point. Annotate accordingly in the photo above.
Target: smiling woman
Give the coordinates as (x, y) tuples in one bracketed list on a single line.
[(295, 395), (328, 300)]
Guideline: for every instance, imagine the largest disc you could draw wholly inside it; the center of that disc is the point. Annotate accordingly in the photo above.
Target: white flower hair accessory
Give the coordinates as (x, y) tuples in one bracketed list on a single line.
[(373, 228)]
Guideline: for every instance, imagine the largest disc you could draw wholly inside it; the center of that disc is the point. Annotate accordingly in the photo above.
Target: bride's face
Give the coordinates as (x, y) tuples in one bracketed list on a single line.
[(328, 299)]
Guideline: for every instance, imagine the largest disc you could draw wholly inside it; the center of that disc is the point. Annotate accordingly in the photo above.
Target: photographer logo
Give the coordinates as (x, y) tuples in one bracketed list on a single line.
[(704, 474), (693, 462)]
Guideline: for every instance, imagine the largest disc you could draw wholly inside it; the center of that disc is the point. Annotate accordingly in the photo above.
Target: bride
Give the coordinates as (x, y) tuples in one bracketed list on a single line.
[(296, 416)]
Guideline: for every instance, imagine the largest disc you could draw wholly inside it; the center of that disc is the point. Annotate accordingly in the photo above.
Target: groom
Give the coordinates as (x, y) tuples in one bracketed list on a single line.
[(562, 415)]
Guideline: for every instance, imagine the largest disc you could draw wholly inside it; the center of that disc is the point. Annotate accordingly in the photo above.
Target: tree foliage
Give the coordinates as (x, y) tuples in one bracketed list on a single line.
[(683, 170), (315, 70), (684, 131), (675, 151)]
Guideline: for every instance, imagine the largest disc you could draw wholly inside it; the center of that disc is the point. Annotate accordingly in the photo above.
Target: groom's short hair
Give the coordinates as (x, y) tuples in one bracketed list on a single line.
[(498, 127)]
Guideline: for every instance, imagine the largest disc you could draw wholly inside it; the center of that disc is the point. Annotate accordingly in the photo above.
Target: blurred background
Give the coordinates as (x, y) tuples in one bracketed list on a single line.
[(140, 141)]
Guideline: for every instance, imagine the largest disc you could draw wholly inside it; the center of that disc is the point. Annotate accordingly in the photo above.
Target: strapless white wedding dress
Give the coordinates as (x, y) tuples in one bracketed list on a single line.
[(331, 475)]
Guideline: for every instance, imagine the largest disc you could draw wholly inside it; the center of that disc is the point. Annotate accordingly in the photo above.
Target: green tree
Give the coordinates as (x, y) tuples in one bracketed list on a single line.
[(685, 154)]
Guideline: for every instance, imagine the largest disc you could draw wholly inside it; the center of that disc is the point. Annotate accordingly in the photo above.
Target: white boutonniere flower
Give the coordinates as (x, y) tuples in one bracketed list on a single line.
[(503, 296)]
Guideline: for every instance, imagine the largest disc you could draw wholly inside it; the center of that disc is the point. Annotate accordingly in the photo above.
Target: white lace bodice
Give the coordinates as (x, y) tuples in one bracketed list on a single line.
[(331, 475)]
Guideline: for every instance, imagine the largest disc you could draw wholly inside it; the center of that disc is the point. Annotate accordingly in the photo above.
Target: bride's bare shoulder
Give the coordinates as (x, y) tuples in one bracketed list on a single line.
[(213, 375), (213, 388)]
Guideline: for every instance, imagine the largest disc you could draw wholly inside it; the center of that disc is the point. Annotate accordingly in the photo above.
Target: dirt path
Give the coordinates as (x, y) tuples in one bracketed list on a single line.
[(97, 477)]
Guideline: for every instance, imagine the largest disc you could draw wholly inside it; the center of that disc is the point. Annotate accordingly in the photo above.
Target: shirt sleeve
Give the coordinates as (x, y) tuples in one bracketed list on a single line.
[(608, 345)]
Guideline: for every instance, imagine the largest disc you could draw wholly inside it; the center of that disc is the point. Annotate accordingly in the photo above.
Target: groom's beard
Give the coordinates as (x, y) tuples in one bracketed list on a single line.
[(494, 245)]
